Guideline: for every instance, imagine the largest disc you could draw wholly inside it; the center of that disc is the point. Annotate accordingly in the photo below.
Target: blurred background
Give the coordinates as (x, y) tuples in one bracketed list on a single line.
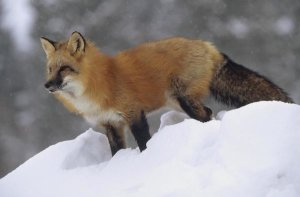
[(263, 35)]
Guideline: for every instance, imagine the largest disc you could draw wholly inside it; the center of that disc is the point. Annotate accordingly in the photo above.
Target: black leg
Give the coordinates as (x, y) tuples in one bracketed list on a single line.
[(140, 131), (115, 138), (195, 109)]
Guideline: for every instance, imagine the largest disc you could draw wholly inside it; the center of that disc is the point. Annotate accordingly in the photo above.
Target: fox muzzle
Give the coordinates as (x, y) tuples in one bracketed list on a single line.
[(54, 84)]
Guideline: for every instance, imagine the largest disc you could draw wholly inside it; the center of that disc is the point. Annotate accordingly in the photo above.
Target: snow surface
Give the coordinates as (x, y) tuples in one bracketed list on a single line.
[(253, 151)]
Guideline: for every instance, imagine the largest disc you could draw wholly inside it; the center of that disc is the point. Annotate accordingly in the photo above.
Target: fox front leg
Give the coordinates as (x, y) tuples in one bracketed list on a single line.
[(140, 130), (115, 135)]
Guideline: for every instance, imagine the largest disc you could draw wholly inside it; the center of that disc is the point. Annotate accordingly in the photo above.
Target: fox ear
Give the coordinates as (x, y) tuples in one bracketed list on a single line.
[(48, 45), (76, 43)]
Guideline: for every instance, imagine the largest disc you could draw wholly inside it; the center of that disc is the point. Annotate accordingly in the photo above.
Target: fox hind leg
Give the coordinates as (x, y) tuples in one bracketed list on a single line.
[(189, 99), (194, 108)]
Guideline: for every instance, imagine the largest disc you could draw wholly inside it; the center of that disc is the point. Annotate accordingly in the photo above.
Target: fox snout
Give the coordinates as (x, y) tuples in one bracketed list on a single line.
[(53, 85)]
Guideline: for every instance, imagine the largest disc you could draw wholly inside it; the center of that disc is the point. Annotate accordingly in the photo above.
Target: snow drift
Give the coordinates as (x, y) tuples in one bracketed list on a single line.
[(252, 151)]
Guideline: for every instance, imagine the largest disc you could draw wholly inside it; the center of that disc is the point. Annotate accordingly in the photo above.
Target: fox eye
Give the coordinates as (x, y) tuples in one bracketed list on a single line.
[(50, 70), (66, 67)]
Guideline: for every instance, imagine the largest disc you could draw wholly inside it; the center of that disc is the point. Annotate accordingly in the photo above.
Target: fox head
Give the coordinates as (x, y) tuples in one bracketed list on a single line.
[(63, 63)]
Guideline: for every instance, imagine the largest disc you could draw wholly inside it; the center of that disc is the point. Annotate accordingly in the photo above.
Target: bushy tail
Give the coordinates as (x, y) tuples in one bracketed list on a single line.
[(236, 86)]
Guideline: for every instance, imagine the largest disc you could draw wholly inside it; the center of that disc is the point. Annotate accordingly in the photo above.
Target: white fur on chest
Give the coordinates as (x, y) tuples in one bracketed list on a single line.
[(92, 112)]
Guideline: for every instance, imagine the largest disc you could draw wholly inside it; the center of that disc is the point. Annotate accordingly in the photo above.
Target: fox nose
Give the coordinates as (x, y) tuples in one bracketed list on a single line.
[(54, 84), (48, 84), (51, 86)]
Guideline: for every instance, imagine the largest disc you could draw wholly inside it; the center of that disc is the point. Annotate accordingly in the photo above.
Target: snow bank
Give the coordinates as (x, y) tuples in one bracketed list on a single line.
[(252, 151)]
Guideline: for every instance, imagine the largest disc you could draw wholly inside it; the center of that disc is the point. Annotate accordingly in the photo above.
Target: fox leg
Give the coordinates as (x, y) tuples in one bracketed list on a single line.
[(115, 137), (140, 130), (194, 108), (189, 98)]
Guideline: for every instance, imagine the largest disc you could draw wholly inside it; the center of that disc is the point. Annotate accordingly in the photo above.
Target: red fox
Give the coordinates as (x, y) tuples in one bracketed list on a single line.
[(117, 92)]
